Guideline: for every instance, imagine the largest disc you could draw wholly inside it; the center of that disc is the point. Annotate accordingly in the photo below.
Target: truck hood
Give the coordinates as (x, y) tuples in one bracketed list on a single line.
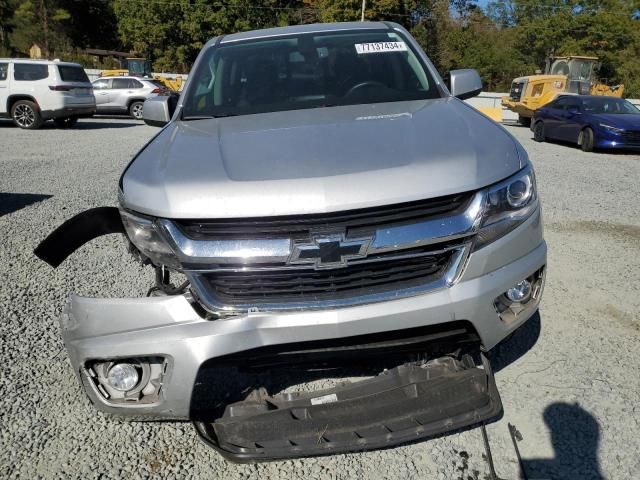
[(318, 160)]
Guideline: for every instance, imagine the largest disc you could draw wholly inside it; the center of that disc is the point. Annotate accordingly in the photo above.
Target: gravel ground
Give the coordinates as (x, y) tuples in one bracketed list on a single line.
[(574, 395)]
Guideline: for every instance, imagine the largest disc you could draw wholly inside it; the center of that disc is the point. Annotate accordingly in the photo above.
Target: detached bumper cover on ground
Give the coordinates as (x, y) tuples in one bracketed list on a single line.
[(407, 403)]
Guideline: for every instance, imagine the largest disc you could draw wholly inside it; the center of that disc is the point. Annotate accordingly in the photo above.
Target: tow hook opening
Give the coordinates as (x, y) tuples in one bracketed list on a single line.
[(301, 400)]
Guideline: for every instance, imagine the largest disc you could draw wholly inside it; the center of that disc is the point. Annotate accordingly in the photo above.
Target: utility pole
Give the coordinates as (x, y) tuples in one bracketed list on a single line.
[(364, 6)]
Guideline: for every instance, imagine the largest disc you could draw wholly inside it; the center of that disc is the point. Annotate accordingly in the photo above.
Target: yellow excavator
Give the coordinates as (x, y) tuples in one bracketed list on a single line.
[(141, 67), (573, 74)]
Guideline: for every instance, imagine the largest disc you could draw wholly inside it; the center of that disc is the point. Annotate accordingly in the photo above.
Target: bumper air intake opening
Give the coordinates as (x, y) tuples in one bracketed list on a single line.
[(350, 394)]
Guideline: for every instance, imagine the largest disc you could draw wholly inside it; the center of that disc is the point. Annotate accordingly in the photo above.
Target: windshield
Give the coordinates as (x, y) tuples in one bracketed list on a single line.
[(306, 71), (608, 105)]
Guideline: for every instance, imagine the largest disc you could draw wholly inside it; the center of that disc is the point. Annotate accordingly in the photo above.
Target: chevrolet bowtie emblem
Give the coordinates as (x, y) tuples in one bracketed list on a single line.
[(330, 251)]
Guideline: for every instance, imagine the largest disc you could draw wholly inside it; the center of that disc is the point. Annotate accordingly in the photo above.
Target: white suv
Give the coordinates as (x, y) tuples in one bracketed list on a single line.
[(33, 91)]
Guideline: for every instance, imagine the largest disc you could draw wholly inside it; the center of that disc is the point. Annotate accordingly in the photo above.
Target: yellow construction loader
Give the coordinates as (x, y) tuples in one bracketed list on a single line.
[(141, 67), (572, 74)]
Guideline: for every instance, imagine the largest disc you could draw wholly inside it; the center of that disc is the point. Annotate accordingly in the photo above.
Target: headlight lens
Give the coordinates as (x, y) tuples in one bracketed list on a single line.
[(144, 234), (509, 203), (612, 128)]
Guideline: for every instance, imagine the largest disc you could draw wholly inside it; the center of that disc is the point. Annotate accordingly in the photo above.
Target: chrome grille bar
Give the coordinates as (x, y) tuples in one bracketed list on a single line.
[(210, 252)]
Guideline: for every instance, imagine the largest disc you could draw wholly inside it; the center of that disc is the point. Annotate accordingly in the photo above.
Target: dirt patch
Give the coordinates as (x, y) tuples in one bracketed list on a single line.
[(158, 460), (626, 319), (617, 231)]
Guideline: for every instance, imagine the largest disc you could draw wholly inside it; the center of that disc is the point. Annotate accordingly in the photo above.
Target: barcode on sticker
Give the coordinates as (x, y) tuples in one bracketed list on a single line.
[(324, 399), (379, 47)]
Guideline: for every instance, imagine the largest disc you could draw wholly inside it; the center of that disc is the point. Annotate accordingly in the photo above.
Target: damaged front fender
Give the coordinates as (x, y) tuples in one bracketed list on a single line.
[(77, 231)]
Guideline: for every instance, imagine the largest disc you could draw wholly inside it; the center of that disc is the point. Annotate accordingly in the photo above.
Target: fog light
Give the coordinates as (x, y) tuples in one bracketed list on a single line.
[(123, 376), (520, 292)]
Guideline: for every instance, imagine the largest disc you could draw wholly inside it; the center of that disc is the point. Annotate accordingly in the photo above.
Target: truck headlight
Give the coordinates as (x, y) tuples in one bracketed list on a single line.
[(145, 235), (509, 203)]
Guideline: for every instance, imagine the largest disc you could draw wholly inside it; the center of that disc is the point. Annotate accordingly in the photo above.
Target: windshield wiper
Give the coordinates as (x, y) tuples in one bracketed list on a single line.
[(204, 117)]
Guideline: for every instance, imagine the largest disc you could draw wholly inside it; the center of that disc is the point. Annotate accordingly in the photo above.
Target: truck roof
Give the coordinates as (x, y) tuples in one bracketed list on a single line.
[(308, 28)]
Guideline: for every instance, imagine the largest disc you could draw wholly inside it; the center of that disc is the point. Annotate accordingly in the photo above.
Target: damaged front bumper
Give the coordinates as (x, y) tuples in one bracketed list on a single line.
[(407, 403), (433, 377)]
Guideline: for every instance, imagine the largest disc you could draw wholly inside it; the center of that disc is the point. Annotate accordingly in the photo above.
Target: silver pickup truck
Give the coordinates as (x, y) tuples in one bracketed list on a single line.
[(331, 210)]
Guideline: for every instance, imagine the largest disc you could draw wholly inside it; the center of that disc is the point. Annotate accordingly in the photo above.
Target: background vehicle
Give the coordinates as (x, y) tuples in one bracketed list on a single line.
[(141, 67), (125, 94), (590, 121), (562, 75), (33, 91)]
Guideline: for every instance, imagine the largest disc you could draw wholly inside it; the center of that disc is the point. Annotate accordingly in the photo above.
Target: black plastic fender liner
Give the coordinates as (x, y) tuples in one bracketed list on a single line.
[(77, 231)]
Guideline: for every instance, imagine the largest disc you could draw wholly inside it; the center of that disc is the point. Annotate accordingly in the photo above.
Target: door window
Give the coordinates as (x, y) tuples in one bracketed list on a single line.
[(133, 83), (30, 71), (72, 74), (120, 83), (561, 103), (573, 104), (101, 84), (4, 69)]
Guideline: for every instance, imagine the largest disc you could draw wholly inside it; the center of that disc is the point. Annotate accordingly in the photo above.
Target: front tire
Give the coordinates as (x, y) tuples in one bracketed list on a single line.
[(587, 140), (26, 114), (66, 122), (538, 132), (135, 110)]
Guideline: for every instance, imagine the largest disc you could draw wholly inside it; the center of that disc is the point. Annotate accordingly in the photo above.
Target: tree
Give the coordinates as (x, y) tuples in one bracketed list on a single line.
[(42, 22), (172, 33), (92, 24), (6, 14)]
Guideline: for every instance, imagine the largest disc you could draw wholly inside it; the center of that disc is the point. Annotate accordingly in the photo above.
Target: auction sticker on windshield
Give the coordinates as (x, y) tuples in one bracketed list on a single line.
[(380, 47)]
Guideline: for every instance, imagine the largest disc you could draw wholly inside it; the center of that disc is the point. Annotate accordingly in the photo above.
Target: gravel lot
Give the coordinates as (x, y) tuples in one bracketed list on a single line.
[(574, 395)]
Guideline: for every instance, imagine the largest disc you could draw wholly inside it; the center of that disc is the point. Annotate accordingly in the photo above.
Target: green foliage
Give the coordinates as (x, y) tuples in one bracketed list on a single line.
[(172, 33), (509, 38)]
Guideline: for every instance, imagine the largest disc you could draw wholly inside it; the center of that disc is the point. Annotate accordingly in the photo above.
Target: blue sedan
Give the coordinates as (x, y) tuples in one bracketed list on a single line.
[(589, 121)]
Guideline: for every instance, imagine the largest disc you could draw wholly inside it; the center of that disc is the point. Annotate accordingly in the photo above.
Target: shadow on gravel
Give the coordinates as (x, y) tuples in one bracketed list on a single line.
[(89, 125), (514, 347), (83, 124), (10, 202), (575, 435)]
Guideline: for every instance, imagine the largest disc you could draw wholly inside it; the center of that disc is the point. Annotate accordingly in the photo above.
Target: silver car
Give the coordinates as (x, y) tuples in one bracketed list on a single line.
[(125, 95), (332, 209)]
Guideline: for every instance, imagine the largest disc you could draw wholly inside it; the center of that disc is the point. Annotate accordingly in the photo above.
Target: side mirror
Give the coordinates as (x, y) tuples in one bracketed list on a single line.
[(157, 111), (465, 83)]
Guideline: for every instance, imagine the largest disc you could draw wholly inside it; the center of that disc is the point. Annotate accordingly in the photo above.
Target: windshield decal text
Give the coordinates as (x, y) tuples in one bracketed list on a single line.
[(380, 47)]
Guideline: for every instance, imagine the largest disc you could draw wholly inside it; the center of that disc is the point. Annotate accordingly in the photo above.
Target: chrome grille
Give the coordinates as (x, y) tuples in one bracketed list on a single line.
[(301, 225), (307, 284), (326, 260)]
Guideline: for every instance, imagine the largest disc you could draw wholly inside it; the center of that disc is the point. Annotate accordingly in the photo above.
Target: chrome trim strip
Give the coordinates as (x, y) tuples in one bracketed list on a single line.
[(448, 278), (402, 255), (428, 232), (225, 251), (279, 250)]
